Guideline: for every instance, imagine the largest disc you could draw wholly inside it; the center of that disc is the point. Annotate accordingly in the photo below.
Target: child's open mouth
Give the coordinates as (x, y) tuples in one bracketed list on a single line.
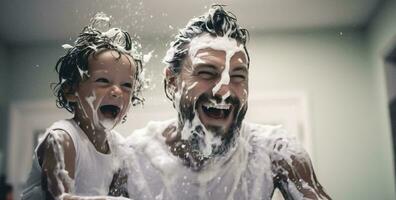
[(110, 111)]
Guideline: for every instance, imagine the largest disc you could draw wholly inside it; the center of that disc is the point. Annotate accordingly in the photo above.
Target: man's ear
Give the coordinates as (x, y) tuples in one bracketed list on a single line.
[(170, 83)]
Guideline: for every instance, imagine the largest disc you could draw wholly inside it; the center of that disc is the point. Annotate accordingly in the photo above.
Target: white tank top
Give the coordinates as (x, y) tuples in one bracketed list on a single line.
[(93, 170)]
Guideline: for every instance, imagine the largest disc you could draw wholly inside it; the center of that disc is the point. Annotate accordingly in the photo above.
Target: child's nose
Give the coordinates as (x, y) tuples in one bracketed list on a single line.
[(116, 91)]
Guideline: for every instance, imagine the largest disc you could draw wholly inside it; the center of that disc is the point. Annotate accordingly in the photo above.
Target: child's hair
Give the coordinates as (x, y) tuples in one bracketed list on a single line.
[(73, 67)]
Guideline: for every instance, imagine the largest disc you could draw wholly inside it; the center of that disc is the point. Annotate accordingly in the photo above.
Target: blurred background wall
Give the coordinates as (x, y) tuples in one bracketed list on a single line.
[(338, 66)]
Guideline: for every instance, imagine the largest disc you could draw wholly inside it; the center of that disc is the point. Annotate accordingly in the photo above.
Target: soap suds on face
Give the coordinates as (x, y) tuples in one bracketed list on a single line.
[(95, 118), (192, 86), (229, 45), (226, 95), (207, 140)]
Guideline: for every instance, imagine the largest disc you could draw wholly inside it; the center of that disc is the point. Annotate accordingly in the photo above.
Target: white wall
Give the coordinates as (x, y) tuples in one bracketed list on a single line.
[(3, 106), (381, 35), (335, 71), (390, 76), (32, 70), (3, 69)]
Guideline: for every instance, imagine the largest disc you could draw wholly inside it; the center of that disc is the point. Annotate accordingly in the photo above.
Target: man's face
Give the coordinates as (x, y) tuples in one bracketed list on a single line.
[(212, 87), (104, 98)]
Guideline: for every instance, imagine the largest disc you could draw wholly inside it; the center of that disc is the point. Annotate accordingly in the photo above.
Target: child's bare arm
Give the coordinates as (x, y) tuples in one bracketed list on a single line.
[(57, 157)]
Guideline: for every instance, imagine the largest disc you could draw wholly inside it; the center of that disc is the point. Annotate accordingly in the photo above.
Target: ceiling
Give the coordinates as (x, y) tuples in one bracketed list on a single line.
[(53, 20)]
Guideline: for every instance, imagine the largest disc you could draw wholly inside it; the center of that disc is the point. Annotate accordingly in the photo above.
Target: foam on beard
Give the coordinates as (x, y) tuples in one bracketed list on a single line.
[(208, 140)]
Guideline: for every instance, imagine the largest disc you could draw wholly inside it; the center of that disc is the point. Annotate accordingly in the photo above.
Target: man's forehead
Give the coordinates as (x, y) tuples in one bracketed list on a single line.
[(218, 57), (219, 43)]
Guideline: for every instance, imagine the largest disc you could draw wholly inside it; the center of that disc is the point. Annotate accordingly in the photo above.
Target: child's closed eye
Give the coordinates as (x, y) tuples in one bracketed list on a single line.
[(102, 80), (127, 85)]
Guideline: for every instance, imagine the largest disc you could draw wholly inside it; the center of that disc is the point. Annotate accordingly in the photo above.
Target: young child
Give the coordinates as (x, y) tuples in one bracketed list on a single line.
[(99, 78)]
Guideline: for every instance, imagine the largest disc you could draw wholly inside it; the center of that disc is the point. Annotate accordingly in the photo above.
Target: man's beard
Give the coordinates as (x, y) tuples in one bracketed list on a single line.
[(221, 139)]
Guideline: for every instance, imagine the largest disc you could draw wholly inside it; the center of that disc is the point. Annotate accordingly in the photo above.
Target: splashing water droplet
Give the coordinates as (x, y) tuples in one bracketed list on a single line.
[(67, 46), (147, 56), (101, 22)]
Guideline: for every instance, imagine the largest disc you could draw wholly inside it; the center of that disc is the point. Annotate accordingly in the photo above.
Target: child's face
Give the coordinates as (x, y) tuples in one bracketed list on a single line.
[(104, 98)]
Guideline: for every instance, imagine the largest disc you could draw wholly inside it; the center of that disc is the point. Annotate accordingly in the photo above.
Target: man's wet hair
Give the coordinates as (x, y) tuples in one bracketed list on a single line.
[(216, 22), (95, 38)]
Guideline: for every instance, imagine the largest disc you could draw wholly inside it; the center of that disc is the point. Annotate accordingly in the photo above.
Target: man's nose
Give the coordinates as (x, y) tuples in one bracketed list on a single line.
[(116, 91), (223, 92)]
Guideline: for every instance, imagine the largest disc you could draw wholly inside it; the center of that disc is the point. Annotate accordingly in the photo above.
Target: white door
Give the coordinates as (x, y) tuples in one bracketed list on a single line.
[(27, 121)]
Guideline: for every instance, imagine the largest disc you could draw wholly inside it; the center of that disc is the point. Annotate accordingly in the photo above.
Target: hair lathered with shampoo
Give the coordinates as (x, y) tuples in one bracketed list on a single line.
[(95, 38), (216, 22)]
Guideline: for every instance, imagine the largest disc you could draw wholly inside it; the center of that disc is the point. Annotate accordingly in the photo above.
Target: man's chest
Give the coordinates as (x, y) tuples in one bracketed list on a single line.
[(236, 179)]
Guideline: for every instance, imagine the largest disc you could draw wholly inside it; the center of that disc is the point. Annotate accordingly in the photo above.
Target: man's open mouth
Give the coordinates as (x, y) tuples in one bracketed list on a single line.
[(110, 111), (217, 111)]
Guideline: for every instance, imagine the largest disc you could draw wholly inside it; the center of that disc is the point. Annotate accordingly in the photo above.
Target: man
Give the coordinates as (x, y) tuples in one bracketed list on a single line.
[(209, 152)]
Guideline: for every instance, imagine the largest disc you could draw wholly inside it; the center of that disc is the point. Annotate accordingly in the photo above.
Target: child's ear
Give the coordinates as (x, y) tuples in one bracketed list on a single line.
[(70, 93)]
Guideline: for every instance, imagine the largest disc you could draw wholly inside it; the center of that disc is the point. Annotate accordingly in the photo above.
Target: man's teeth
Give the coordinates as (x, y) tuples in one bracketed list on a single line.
[(223, 106)]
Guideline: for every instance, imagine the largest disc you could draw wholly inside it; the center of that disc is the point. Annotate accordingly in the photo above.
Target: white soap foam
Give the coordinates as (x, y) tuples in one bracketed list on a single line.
[(229, 45)]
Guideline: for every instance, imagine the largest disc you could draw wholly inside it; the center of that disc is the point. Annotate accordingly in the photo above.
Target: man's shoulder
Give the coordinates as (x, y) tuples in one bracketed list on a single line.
[(269, 136), (263, 131)]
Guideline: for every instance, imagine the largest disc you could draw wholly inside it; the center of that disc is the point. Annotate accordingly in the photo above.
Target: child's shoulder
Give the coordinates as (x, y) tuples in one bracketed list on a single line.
[(67, 125), (58, 137), (61, 131)]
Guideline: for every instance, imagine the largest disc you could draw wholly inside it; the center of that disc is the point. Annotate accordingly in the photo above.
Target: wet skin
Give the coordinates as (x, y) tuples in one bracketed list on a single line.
[(195, 83), (110, 82), (201, 77)]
